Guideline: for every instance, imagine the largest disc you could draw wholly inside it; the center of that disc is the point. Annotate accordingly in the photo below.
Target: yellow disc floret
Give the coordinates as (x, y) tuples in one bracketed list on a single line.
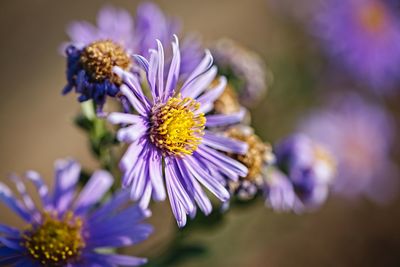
[(176, 126), (55, 242), (99, 58)]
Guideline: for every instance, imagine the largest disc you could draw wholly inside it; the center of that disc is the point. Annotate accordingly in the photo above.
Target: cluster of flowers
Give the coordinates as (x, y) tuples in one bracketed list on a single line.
[(185, 119)]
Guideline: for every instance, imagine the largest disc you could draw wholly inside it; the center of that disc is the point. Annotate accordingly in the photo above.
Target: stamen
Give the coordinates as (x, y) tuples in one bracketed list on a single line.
[(99, 58), (176, 127), (56, 241)]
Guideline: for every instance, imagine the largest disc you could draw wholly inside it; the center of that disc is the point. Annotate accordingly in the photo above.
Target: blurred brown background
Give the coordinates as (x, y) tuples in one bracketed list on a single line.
[(36, 128)]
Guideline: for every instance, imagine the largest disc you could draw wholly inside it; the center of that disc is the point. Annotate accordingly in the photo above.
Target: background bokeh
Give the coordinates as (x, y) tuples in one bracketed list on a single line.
[(36, 128)]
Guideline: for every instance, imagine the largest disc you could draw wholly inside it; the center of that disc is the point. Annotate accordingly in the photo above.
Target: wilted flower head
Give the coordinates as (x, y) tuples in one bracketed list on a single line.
[(95, 50), (360, 137), (68, 230), (169, 138), (309, 166), (364, 37), (258, 157), (245, 70)]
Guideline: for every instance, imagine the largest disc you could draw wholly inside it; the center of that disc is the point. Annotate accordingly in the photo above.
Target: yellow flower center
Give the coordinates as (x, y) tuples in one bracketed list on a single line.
[(372, 17), (176, 128), (56, 241), (99, 58)]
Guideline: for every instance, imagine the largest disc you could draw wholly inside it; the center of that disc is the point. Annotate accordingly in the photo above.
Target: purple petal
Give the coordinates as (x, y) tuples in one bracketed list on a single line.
[(201, 83), (66, 176), (41, 187), (212, 95), (224, 161), (160, 69), (173, 74), (7, 197), (156, 176), (224, 143), (217, 120), (93, 191), (173, 174), (118, 118), (206, 179), (203, 67)]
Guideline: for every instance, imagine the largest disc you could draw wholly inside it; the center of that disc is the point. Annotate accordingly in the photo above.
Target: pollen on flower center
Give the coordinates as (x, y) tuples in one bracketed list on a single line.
[(176, 127), (372, 17), (99, 58), (56, 241)]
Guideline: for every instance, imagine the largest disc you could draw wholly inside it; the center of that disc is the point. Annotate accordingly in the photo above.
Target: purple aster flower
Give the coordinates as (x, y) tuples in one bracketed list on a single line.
[(366, 39), (309, 166), (95, 50), (360, 137), (70, 229), (169, 137), (245, 70)]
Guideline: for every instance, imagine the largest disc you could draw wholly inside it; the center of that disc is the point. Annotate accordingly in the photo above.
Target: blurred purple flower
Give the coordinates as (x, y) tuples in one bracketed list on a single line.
[(94, 50), (364, 36), (69, 230), (245, 70), (309, 167), (360, 137), (169, 137)]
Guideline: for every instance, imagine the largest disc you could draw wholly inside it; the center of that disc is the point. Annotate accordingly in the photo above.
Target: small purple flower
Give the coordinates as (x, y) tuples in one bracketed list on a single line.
[(95, 50), (309, 166), (245, 70), (363, 36), (170, 142), (360, 136), (70, 229)]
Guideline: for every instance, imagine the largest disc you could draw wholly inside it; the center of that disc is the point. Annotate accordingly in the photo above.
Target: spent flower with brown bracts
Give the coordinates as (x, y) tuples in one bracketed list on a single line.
[(257, 158), (70, 228)]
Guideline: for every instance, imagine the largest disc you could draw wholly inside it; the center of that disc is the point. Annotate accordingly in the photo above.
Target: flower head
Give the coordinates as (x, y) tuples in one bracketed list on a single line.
[(309, 167), (360, 137), (169, 136), (68, 230), (245, 70), (95, 50), (365, 40)]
